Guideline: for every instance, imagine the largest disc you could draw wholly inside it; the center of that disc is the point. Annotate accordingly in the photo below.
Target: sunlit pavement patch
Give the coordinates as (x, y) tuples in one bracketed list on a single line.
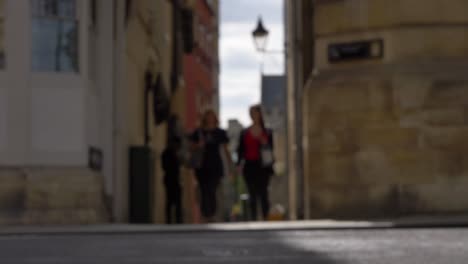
[(461, 221)]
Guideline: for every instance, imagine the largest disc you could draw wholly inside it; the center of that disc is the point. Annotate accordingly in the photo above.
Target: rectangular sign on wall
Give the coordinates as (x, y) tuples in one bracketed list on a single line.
[(3, 118), (95, 158), (353, 51)]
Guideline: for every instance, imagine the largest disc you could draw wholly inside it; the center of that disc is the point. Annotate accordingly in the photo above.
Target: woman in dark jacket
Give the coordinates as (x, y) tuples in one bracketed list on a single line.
[(211, 140), (255, 155)]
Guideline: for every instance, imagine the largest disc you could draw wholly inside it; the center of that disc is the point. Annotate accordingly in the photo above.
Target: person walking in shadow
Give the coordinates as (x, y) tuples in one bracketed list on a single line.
[(171, 165), (255, 160), (209, 140)]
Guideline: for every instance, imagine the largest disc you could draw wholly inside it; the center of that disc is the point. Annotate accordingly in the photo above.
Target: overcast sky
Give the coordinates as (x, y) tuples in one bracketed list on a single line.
[(240, 63)]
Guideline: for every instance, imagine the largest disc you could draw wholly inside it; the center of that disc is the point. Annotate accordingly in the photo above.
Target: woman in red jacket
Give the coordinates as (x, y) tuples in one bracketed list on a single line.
[(255, 156)]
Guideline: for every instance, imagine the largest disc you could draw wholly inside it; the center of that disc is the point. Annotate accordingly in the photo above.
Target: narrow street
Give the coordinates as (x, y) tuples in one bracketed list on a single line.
[(343, 124), (402, 246)]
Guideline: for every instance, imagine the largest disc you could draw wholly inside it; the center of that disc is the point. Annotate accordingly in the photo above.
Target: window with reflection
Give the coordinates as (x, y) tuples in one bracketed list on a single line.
[(2, 33), (54, 36)]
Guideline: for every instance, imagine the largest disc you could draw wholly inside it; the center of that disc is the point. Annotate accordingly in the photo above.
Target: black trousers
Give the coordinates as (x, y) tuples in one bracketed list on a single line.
[(173, 202), (257, 179), (208, 185)]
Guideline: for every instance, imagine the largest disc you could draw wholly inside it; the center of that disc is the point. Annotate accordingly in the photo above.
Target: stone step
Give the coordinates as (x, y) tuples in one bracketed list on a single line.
[(51, 196)]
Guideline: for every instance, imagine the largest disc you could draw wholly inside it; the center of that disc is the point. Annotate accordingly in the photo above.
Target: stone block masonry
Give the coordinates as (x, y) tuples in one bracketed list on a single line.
[(383, 150), (60, 196), (385, 136)]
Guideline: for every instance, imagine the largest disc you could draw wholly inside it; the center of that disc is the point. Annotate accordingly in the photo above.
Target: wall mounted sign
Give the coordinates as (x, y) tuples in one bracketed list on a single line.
[(358, 50), (95, 159)]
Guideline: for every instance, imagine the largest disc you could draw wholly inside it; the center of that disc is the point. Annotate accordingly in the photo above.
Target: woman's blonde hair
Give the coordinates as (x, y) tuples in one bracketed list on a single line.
[(206, 115)]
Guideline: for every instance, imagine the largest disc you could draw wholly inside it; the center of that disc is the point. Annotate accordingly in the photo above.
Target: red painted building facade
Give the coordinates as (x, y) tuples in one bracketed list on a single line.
[(201, 71), (201, 66)]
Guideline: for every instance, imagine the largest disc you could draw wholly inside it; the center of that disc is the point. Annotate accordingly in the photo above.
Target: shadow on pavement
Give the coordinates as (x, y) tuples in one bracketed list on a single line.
[(155, 248)]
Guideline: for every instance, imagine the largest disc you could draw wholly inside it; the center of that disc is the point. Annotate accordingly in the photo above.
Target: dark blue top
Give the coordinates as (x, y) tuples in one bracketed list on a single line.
[(212, 165)]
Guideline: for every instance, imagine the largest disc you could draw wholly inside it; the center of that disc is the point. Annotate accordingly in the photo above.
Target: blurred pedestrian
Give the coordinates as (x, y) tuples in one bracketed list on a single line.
[(209, 140), (255, 159), (171, 165)]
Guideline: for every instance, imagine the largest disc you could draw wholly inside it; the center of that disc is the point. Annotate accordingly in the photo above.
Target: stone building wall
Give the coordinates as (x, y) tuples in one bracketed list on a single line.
[(51, 196), (149, 46), (389, 136), (47, 127)]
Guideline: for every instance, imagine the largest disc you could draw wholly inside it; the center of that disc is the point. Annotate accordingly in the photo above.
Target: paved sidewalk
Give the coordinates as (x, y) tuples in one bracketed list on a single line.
[(407, 222)]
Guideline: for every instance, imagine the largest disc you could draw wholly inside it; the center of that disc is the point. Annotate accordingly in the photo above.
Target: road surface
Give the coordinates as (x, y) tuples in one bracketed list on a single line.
[(402, 246)]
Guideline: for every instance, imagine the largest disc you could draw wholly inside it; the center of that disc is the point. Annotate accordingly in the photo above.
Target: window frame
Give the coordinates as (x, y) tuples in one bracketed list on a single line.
[(58, 18), (3, 44), (75, 15)]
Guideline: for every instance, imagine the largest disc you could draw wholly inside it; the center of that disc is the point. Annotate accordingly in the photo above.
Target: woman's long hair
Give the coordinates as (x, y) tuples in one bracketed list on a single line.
[(258, 109), (206, 115)]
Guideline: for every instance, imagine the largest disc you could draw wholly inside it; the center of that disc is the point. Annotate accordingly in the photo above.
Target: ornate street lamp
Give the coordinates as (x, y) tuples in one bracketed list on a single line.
[(260, 36)]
